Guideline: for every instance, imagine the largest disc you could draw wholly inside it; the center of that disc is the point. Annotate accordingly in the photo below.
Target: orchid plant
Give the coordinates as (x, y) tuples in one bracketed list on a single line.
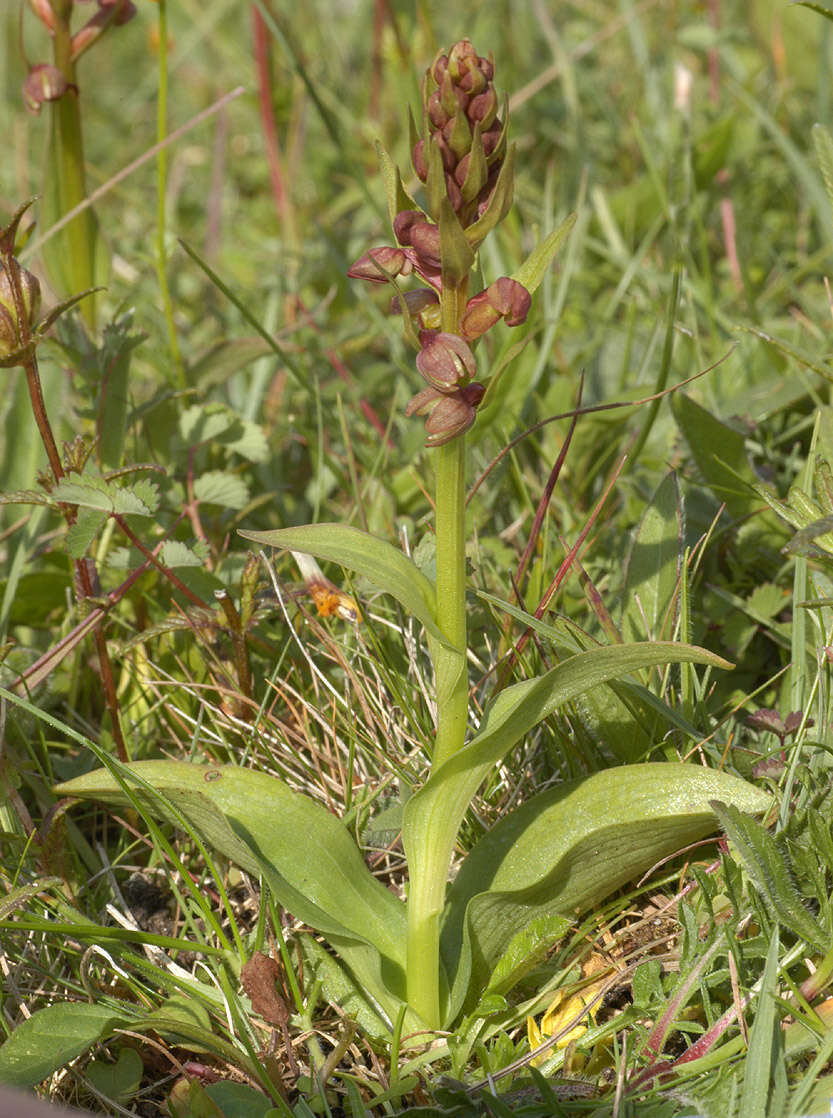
[(418, 964)]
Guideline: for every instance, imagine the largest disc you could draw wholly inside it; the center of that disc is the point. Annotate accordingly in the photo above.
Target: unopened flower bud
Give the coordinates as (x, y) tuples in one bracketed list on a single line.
[(13, 332), (453, 415), (445, 361), (378, 264), (415, 301), (505, 298), (43, 83)]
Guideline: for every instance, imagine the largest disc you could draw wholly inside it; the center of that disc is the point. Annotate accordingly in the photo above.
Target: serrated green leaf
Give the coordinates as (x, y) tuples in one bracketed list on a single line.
[(175, 553), (536, 265), (97, 493), (83, 531), (216, 487), (376, 560), (768, 868), (251, 444), (202, 423), (51, 1037)]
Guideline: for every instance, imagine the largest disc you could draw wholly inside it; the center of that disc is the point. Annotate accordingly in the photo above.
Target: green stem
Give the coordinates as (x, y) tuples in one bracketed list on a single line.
[(429, 872), (79, 237), (450, 662), (161, 190)]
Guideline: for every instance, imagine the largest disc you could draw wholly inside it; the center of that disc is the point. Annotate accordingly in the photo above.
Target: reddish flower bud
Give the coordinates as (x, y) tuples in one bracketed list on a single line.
[(423, 402), (425, 238), (483, 107), (378, 264), (505, 298), (419, 162), (445, 361), (451, 417), (415, 301), (44, 83), (403, 222)]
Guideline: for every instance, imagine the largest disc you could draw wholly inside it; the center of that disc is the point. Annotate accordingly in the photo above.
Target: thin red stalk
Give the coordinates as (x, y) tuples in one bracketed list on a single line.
[(260, 35), (546, 496)]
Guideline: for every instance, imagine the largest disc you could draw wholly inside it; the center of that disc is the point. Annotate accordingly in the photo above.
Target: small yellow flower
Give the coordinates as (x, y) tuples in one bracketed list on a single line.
[(560, 1012)]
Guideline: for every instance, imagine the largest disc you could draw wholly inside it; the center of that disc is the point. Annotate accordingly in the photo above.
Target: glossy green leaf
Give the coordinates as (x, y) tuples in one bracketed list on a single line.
[(653, 566), (767, 865), (376, 560), (536, 265), (256, 820), (569, 847), (433, 815), (52, 1037)]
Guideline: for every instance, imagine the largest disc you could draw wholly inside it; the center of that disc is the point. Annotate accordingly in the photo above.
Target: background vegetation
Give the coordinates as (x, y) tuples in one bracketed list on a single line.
[(264, 390)]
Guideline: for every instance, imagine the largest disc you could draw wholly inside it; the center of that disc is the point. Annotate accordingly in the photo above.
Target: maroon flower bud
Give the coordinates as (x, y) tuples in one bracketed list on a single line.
[(419, 162), (483, 107), (445, 361), (423, 402), (415, 301), (436, 113), (451, 416), (378, 264), (44, 83), (425, 238), (403, 222), (505, 298)]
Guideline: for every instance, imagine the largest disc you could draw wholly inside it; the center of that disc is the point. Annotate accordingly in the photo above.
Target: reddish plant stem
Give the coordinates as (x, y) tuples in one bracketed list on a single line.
[(267, 119)]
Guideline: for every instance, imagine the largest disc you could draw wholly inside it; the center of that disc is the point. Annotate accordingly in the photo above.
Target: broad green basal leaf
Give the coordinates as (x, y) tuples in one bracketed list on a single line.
[(376, 560), (433, 815), (309, 859), (568, 848)]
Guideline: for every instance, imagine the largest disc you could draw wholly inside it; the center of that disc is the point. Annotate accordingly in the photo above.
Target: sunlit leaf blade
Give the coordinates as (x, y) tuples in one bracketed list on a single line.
[(309, 859), (51, 1037), (568, 848), (376, 560), (653, 566), (433, 815)]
